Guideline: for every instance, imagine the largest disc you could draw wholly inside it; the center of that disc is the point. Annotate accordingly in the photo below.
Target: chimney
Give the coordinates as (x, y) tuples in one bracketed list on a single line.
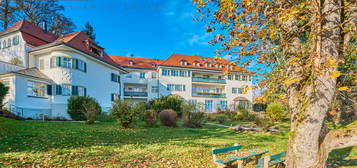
[(44, 26)]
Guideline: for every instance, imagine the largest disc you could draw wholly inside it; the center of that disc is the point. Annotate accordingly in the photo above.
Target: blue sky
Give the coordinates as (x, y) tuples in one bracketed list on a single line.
[(145, 28)]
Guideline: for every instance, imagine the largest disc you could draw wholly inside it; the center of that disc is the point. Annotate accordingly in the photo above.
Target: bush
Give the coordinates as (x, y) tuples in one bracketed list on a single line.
[(150, 117), (106, 118), (92, 110), (263, 123), (245, 115), (76, 107), (126, 111), (166, 102), (275, 111), (193, 117), (168, 117), (3, 92), (221, 118)]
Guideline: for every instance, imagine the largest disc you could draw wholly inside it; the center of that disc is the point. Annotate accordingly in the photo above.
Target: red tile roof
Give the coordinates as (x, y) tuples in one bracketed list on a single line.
[(31, 33), (142, 63), (35, 36), (176, 59)]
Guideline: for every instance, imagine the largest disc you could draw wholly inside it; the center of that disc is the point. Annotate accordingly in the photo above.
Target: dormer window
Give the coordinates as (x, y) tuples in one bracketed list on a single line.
[(196, 63), (153, 65), (209, 65), (94, 48), (131, 62), (183, 62)]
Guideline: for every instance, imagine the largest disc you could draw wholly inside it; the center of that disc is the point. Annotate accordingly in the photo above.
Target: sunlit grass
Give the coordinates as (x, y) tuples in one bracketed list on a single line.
[(106, 144)]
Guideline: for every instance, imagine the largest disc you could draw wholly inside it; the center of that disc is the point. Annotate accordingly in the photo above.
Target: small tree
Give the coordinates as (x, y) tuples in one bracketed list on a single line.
[(150, 117), (126, 111), (92, 110), (3, 92), (167, 102), (276, 111), (76, 107), (193, 115)]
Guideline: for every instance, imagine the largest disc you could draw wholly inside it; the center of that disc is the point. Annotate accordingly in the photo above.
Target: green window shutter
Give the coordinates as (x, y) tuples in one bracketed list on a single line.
[(75, 90), (49, 89), (74, 65), (51, 62), (58, 61), (112, 77), (233, 90), (112, 95), (58, 90), (189, 73), (85, 91), (85, 67)]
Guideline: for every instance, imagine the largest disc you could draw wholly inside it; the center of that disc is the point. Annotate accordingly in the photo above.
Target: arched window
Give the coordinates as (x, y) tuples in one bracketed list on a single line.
[(131, 62), (183, 62), (196, 63)]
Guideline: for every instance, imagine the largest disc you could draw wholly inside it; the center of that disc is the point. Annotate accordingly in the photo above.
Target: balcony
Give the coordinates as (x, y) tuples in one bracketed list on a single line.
[(209, 80), (207, 94), (136, 94)]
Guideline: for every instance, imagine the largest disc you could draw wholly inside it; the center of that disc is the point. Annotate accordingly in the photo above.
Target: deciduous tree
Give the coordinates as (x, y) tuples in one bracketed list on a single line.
[(304, 43)]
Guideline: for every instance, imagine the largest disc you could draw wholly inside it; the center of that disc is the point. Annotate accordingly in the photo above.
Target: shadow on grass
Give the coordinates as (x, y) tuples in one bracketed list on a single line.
[(44, 136), (339, 158)]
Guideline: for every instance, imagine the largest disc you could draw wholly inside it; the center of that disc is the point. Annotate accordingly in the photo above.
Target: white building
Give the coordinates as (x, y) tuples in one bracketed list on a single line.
[(142, 83), (49, 69), (53, 69)]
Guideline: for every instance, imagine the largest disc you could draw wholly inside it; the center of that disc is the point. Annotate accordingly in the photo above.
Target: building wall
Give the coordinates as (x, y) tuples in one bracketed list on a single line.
[(14, 51), (187, 94), (6, 67), (96, 80), (133, 77)]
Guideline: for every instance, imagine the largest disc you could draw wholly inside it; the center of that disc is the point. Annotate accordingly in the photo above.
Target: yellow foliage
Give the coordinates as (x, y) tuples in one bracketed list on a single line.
[(335, 74), (292, 80), (343, 88)]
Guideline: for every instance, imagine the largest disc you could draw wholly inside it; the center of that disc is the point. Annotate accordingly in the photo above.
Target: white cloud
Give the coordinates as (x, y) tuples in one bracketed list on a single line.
[(199, 39)]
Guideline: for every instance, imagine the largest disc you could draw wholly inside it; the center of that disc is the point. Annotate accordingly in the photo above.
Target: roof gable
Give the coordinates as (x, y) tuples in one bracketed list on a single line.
[(142, 63)]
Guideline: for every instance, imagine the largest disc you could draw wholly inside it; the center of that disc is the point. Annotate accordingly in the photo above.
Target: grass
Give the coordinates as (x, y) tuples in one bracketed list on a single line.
[(106, 144)]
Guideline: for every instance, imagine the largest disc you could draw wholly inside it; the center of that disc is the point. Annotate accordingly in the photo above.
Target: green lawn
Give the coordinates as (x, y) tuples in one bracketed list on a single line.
[(66, 144)]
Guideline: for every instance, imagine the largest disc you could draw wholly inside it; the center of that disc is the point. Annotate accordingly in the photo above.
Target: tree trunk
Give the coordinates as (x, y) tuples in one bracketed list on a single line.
[(309, 115)]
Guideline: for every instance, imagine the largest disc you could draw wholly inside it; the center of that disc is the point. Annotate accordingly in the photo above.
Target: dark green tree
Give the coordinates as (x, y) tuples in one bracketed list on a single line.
[(89, 30)]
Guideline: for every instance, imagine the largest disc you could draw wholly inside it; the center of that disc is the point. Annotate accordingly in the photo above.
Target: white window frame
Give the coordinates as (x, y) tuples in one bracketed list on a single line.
[(66, 63), (36, 89)]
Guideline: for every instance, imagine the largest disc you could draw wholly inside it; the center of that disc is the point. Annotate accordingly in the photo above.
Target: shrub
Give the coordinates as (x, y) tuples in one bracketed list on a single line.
[(166, 102), (275, 111), (106, 118), (168, 117), (126, 111), (245, 115), (193, 117), (150, 117), (221, 118), (263, 123), (3, 92), (76, 107), (92, 110)]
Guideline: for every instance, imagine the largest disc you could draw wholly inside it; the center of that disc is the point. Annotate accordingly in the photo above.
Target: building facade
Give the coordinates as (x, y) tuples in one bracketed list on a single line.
[(43, 70)]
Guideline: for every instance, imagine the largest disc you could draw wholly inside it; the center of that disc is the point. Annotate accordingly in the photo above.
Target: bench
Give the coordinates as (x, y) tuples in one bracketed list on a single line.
[(272, 160), (223, 162)]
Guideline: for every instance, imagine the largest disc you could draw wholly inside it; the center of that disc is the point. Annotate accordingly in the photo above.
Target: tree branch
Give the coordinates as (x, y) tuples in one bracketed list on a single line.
[(341, 138)]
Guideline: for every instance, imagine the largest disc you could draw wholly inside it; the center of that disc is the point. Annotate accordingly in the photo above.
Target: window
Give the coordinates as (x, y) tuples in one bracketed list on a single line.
[(15, 40), (244, 78), (153, 75), (176, 87), (129, 76), (9, 42), (115, 78), (66, 90), (67, 62), (208, 105), (223, 105), (81, 65), (184, 62), (234, 90), (174, 73), (229, 77), (153, 65), (4, 44), (36, 89), (154, 89), (165, 72), (131, 62), (236, 77), (142, 75), (183, 73), (81, 91), (42, 64), (114, 96)]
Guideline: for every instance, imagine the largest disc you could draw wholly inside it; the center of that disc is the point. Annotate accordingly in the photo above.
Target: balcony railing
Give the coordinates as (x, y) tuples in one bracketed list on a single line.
[(206, 94), (136, 94), (209, 80)]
